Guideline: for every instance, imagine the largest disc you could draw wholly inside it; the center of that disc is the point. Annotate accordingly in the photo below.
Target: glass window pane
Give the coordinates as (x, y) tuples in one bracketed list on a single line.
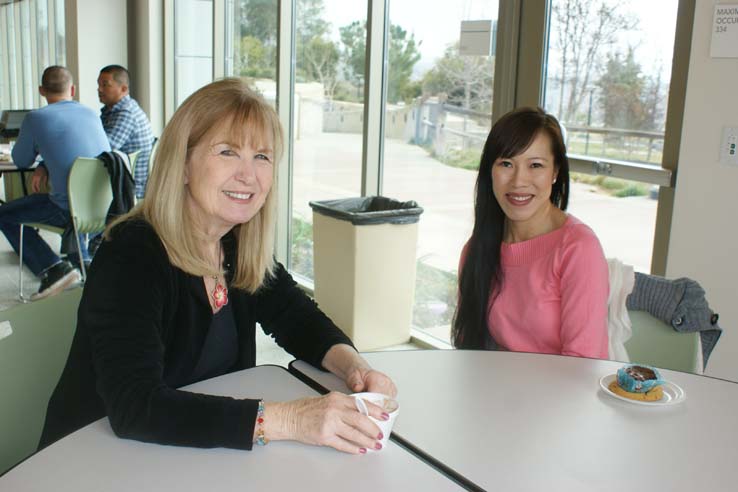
[(42, 37), (60, 37), (193, 46), (438, 115), (29, 31), (329, 113), (607, 80), (251, 44), (29, 91)]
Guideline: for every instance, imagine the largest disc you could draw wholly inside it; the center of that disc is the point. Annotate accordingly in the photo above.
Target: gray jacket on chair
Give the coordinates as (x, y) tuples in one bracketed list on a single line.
[(680, 303)]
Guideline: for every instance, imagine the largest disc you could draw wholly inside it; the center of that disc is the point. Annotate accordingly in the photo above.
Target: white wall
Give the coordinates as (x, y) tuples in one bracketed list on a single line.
[(704, 236), (101, 39)]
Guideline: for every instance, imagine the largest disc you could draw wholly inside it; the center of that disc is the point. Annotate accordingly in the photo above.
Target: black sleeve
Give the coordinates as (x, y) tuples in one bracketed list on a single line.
[(129, 293), (294, 320)]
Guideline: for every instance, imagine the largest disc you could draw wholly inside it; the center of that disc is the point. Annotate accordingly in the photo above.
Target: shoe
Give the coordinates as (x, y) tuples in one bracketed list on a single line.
[(57, 278)]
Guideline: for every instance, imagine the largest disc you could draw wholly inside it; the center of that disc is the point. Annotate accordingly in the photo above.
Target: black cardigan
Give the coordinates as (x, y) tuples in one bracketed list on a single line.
[(141, 327)]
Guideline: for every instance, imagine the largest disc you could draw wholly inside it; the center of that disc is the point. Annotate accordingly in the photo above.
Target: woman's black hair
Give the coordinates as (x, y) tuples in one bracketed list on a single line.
[(480, 277)]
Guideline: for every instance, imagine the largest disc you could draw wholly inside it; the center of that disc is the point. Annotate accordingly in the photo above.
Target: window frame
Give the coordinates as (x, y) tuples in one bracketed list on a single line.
[(529, 20), (523, 28)]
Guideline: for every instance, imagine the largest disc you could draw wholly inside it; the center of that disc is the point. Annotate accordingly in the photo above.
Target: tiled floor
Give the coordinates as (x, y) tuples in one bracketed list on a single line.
[(267, 352)]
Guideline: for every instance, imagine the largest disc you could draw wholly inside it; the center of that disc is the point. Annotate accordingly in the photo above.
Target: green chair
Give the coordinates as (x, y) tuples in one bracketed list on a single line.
[(90, 195), (657, 344), (154, 148), (132, 157), (16, 186), (34, 346)]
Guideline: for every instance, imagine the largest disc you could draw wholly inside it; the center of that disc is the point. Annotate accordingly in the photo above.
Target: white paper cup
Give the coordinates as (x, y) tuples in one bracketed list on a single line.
[(388, 403)]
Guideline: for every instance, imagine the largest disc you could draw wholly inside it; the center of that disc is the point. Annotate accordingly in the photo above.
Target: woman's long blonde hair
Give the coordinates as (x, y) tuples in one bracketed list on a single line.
[(225, 103)]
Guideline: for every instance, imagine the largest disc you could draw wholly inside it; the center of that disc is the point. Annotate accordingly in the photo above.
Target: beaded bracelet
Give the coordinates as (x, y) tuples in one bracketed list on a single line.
[(261, 440)]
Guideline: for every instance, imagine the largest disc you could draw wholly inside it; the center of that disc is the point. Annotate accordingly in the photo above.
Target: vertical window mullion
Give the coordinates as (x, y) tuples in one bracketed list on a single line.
[(16, 59), (673, 132), (286, 59), (27, 58), (375, 96), (51, 12), (219, 41), (59, 33), (36, 58), (506, 58), (4, 61), (169, 55)]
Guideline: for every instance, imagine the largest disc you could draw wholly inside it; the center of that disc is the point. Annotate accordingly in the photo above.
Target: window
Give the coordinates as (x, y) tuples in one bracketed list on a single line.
[(438, 114), (193, 47), (602, 66), (330, 40), (31, 39), (607, 79), (251, 44)]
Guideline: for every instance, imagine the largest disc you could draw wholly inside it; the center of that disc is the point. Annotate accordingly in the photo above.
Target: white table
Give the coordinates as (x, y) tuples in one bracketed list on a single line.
[(93, 458), (529, 422), (8, 166)]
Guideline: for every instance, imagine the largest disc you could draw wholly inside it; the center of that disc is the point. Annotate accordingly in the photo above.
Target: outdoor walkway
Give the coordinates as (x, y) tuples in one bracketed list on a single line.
[(328, 166)]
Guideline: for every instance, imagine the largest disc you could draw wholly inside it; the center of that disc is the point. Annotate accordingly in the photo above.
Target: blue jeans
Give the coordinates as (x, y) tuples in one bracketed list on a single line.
[(37, 255)]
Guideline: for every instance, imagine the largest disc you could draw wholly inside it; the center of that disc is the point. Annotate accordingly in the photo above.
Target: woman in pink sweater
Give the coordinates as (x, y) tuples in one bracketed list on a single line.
[(531, 278)]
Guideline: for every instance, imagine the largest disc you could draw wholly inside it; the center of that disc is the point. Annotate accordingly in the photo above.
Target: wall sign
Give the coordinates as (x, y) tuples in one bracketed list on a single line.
[(476, 38), (725, 31)]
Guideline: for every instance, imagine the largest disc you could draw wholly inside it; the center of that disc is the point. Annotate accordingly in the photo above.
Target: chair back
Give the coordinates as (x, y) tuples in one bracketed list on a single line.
[(89, 195), (35, 343), (657, 344), (154, 148), (132, 158)]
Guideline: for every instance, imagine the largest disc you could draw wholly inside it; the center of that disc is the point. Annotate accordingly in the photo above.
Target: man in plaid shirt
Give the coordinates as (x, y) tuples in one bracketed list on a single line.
[(125, 123)]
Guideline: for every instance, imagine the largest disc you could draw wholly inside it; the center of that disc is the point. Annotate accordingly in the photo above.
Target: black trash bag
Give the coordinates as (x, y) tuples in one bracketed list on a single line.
[(369, 210)]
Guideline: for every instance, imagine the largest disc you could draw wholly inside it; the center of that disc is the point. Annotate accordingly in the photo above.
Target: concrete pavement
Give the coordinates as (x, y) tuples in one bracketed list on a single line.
[(328, 166)]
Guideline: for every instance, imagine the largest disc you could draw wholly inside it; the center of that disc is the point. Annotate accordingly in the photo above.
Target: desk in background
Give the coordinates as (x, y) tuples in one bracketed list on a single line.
[(531, 422), (93, 458), (16, 181)]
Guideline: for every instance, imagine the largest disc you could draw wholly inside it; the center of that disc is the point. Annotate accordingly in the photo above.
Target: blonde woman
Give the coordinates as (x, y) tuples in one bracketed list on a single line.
[(176, 288)]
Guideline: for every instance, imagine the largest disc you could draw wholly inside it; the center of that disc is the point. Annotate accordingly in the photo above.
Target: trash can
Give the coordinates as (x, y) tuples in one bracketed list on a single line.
[(364, 261)]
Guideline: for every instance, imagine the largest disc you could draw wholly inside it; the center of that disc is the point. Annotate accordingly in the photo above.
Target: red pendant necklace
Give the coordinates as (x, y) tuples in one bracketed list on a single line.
[(220, 292)]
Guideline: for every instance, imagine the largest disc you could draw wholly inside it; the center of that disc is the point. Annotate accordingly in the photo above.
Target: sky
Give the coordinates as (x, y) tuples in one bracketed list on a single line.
[(437, 23)]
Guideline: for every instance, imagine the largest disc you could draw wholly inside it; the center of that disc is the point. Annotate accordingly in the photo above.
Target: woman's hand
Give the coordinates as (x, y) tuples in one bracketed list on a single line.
[(367, 379), (330, 420), (343, 361)]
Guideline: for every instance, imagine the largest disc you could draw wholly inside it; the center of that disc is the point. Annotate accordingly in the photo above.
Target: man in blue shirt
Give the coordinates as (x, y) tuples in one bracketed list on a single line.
[(59, 133), (124, 121)]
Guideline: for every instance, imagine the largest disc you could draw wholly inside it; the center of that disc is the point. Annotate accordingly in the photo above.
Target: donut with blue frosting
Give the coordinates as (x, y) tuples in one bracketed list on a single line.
[(638, 382)]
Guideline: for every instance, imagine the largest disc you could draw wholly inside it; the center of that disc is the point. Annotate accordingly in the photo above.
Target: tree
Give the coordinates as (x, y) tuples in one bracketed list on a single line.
[(583, 29), (353, 38), (254, 59), (256, 38), (258, 19), (317, 54), (317, 58), (628, 98), (465, 80), (403, 55), (320, 62)]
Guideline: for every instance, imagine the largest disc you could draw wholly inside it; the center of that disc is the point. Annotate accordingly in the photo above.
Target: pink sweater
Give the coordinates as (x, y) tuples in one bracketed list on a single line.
[(554, 294)]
